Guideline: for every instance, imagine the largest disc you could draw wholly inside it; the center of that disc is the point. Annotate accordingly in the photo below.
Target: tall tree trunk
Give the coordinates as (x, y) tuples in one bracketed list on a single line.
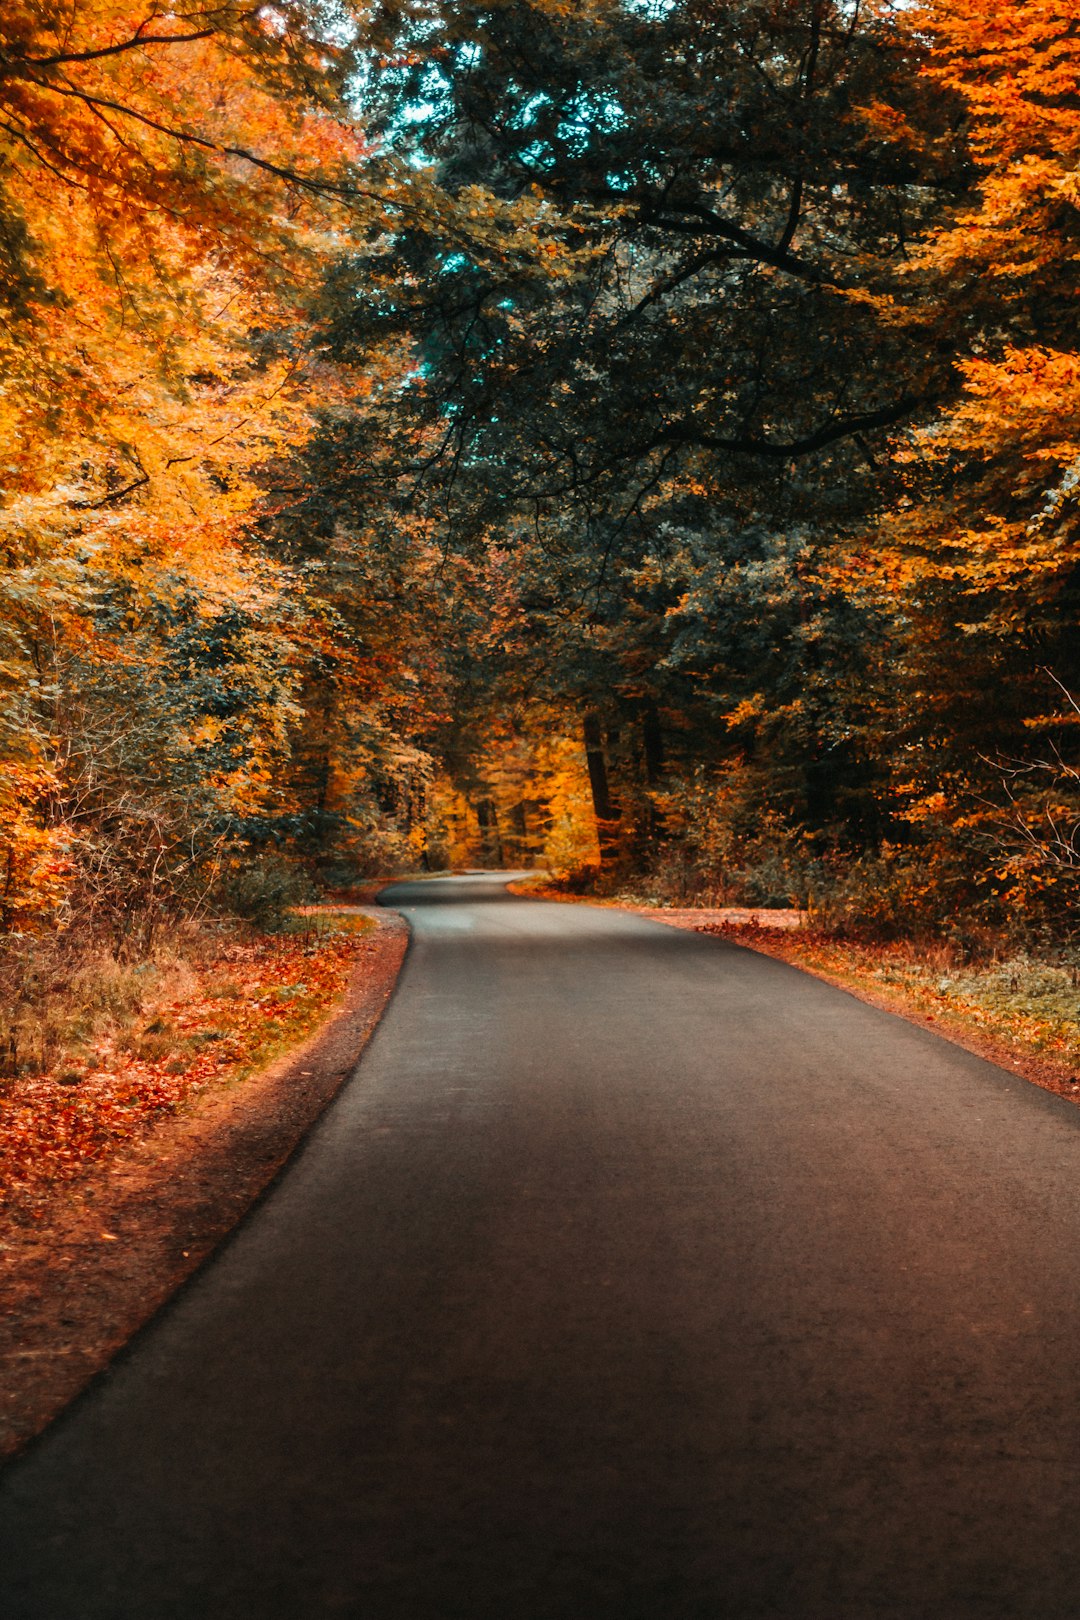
[(605, 809), (519, 820), (653, 740), (653, 746), (488, 817)]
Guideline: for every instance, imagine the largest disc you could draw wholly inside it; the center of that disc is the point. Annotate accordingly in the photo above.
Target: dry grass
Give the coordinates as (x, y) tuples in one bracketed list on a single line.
[(98, 1049), (1026, 1002)]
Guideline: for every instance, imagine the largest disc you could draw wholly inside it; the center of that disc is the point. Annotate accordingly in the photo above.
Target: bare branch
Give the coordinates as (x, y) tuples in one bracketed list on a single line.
[(110, 500), (131, 44)]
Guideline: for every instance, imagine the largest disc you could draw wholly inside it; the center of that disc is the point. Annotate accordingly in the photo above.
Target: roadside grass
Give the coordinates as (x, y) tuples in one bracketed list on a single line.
[(99, 1049)]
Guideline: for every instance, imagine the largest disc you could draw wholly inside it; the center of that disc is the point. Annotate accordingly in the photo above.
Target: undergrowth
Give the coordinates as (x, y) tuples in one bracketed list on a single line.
[(97, 1048)]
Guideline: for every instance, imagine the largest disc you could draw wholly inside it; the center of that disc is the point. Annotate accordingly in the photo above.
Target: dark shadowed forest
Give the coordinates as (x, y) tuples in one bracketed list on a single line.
[(636, 438)]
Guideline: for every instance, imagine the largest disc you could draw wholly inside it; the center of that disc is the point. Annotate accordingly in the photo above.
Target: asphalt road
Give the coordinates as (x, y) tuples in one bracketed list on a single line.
[(633, 1277)]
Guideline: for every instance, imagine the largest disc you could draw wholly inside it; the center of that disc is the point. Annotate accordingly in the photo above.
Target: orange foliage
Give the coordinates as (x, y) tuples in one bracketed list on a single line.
[(1000, 282), (171, 187), (35, 858), (1017, 68), (146, 163)]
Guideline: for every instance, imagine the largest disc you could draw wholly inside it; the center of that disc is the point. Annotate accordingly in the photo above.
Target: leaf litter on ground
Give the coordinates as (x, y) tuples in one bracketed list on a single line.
[(212, 1018)]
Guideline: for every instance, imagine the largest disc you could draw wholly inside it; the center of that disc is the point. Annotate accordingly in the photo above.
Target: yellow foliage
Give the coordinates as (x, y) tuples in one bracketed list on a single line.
[(35, 856)]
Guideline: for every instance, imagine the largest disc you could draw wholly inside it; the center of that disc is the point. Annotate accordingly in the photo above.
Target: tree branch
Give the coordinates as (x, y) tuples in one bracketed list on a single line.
[(750, 444), (131, 44), (24, 140), (109, 500), (321, 188), (673, 282), (716, 225)]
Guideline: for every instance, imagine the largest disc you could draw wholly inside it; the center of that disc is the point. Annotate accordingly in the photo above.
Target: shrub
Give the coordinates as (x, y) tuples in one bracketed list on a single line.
[(264, 890)]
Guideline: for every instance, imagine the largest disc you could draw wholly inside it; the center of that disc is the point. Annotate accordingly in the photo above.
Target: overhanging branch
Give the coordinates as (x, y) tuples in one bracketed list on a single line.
[(752, 444)]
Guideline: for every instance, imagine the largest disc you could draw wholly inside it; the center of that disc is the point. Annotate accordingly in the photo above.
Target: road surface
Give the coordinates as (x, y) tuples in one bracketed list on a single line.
[(633, 1277)]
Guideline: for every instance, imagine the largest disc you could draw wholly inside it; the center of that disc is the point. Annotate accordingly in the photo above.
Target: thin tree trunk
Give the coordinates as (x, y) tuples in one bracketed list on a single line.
[(488, 817), (653, 739)]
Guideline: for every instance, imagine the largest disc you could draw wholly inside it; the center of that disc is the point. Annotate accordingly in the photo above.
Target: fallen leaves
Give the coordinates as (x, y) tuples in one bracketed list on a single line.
[(249, 1000)]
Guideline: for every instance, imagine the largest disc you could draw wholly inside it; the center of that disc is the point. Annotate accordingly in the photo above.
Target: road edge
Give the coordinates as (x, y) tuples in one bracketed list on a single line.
[(128, 1241), (1040, 1067)]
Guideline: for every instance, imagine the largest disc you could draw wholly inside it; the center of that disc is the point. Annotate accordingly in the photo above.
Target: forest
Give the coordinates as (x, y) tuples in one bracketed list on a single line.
[(633, 438)]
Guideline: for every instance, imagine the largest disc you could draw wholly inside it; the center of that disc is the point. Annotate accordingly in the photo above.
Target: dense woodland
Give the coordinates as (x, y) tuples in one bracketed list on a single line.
[(633, 436)]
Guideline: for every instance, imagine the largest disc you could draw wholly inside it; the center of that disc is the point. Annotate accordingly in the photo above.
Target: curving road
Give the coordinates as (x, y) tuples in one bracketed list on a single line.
[(634, 1277)]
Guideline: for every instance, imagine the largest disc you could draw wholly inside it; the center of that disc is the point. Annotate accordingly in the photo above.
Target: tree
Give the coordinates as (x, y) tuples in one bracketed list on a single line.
[(981, 545), (713, 189), (653, 320), (166, 184)]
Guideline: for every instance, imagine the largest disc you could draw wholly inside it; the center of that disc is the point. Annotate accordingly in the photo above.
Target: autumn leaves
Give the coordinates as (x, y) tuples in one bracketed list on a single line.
[(167, 188), (392, 389)]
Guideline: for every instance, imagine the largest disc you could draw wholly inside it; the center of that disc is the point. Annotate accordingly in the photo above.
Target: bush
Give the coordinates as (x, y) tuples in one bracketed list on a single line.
[(726, 846), (892, 893), (58, 994), (264, 890)]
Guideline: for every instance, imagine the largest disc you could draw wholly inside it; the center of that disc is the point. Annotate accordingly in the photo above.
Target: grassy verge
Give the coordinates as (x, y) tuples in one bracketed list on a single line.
[(109, 1048)]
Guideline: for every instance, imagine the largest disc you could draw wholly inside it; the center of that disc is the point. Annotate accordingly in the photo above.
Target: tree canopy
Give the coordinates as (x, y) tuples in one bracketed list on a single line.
[(424, 421)]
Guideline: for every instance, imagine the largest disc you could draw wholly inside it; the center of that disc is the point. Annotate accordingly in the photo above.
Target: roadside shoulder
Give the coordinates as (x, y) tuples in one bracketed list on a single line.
[(1038, 1051), (122, 1241)]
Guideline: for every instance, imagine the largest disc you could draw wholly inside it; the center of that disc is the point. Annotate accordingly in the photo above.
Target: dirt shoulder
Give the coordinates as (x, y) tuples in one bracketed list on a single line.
[(113, 1247)]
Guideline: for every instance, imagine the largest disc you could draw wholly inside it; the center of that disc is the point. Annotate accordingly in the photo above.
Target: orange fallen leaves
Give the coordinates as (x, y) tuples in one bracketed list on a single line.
[(252, 1001)]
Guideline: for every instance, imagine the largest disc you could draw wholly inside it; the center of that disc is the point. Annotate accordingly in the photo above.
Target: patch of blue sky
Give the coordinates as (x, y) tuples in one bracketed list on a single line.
[(598, 110), (434, 82), (526, 115), (538, 156), (588, 114), (335, 22), (418, 112), (359, 84)]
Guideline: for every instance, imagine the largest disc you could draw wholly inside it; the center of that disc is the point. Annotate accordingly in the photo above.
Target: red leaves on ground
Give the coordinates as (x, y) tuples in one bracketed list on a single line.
[(252, 1001)]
